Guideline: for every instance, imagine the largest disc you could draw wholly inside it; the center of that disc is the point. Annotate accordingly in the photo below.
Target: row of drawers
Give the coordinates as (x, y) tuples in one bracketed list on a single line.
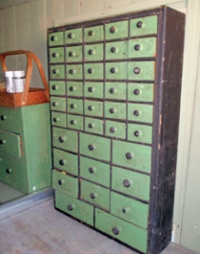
[(133, 48), (111, 31), (133, 70)]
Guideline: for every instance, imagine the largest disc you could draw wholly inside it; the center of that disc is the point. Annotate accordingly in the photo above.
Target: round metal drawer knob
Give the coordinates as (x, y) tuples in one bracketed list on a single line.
[(137, 47), (90, 52), (139, 24), (136, 133), (61, 162), (112, 90), (93, 195), (90, 71), (115, 230), (70, 35), (72, 122), (136, 91), (126, 183), (72, 106), (70, 207), (56, 119), (90, 108), (112, 30), (61, 139), (71, 71), (3, 118), (70, 54), (113, 70), (137, 70), (54, 87), (55, 71), (90, 89), (112, 129), (60, 181), (125, 210), (129, 156), (8, 170), (91, 170), (54, 104), (53, 38), (2, 141), (90, 125), (112, 110), (113, 50), (71, 88), (136, 113), (54, 55), (91, 147), (90, 33)]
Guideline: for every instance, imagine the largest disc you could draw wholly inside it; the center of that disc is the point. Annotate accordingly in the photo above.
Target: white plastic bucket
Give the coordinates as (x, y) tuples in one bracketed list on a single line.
[(10, 86)]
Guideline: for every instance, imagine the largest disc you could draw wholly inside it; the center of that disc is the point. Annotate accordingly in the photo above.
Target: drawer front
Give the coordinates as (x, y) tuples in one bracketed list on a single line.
[(75, 106), (8, 116), (141, 70), (131, 183), (95, 147), (93, 108), (74, 207), (140, 113), (58, 104), (73, 36), (129, 210), (117, 30), (56, 55), (56, 38), (95, 194), (57, 87), (95, 171), (121, 230), (140, 92), (63, 182), (93, 125), (93, 52), (144, 26), (140, 133), (133, 156), (93, 90), (65, 161), (74, 54), (75, 89), (93, 71), (116, 50), (116, 70), (74, 71), (145, 47), (58, 119), (116, 129), (75, 122), (65, 139), (115, 91), (57, 71), (115, 110), (92, 34)]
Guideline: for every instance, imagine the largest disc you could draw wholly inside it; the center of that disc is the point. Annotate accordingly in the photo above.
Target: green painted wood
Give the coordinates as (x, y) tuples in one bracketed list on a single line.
[(58, 104), (56, 38), (74, 122), (141, 92), (93, 108), (73, 36), (56, 55), (139, 183), (116, 50), (10, 143), (116, 70), (116, 30), (121, 230), (74, 54), (140, 113), (115, 129), (93, 125), (93, 52), (93, 90), (93, 71), (141, 70), (140, 133), (75, 89), (57, 87), (57, 72), (93, 34), (115, 110), (74, 71), (58, 119), (95, 171), (145, 47), (75, 106), (115, 91)]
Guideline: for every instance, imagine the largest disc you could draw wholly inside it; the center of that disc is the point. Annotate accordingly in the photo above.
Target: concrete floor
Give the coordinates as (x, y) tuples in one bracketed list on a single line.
[(43, 230)]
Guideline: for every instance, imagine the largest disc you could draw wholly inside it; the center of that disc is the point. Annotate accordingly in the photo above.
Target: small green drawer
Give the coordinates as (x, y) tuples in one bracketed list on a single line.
[(141, 70), (63, 182), (121, 230), (144, 26), (74, 71), (93, 108), (131, 183), (56, 55), (73, 36), (140, 113), (116, 50), (93, 52), (95, 147), (115, 91), (129, 210), (75, 122), (75, 106), (74, 54), (116, 129), (93, 34), (117, 30), (115, 110), (93, 71), (141, 92), (57, 87), (93, 125), (56, 38), (57, 71), (65, 161), (75, 89), (116, 70), (8, 116), (95, 194), (58, 119), (95, 171), (65, 139), (145, 47), (140, 133), (74, 207), (58, 104), (93, 90), (132, 156)]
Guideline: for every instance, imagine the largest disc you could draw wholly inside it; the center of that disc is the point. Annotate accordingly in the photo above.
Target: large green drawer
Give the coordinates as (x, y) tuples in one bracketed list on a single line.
[(93, 71), (115, 90), (132, 156), (57, 71), (93, 52), (140, 92), (58, 119), (115, 129), (74, 54), (65, 139), (140, 113), (116, 70), (68, 184), (65, 161), (116, 30), (94, 125), (73, 36), (116, 50), (95, 194), (115, 110), (131, 183), (56, 38), (95, 147), (95, 171), (93, 108), (93, 34), (141, 70), (129, 209), (121, 230), (74, 71), (93, 90), (140, 133), (56, 55), (143, 47), (57, 87), (75, 122), (58, 104), (74, 207), (75, 106), (75, 89)]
